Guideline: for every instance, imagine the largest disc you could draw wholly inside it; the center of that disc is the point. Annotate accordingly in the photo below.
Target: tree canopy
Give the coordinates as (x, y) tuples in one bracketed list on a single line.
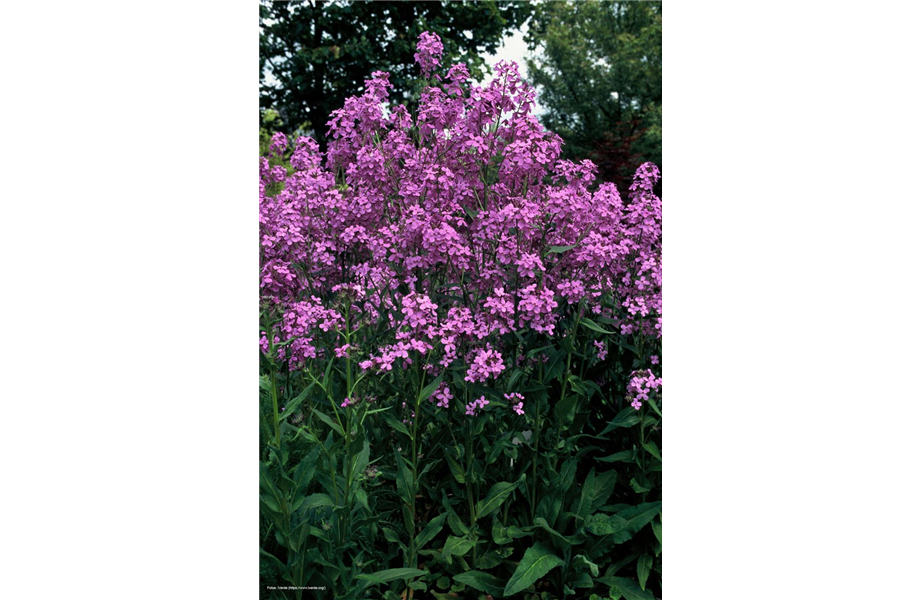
[(315, 54), (598, 70)]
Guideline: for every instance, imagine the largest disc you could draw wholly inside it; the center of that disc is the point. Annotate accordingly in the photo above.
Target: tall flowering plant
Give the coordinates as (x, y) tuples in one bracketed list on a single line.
[(455, 326)]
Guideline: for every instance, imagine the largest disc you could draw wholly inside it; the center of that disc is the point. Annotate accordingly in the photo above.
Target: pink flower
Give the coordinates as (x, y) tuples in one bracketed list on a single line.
[(486, 363), (476, 405), (442, 395), (641, 384), (429, 52), (601, 350)]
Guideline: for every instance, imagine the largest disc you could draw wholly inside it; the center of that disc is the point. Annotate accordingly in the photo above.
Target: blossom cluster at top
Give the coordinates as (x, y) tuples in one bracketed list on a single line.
[(449, 228)]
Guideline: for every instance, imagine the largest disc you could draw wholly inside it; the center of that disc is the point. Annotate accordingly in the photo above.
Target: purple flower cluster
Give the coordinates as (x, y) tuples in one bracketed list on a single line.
[(444, 230), (442, 395), (641, 384), (486, 363), (429, 52), (601, 350), (476, 405), (519, 407)]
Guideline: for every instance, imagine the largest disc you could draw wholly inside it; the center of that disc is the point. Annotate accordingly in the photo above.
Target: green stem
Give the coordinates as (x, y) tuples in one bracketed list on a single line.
[(536, 453), (470, 494), (413, 551), (271, 368), (565, 384)]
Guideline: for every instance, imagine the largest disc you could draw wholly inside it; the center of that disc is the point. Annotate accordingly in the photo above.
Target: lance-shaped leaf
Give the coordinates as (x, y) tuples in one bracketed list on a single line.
[(636, 518), (391, 575), (628, 588), (484, 582), (325, 419), (626, 418), (497, 494), (405, 485), (595, 327), (430, 388), (538, 561), (643, 568), (431, 530), (317, 500), (567, 540), (618, 456), (455, 469), (455, 546)]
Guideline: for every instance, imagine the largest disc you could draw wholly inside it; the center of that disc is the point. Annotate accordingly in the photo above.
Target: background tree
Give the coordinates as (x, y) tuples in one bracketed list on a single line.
[(315, 54), (597, 66)]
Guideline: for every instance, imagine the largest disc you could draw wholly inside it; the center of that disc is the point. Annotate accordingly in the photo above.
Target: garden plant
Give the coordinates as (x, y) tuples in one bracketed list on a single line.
[(460, 350)]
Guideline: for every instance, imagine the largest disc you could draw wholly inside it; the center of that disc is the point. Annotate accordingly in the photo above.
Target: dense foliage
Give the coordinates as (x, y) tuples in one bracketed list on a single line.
[(461, 355), (314, 54), (598, 70)]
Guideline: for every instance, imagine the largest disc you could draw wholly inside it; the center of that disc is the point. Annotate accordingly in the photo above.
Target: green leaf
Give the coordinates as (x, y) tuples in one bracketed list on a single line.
[(484, 582), (405, 485), (615, 567), (619, 456), (565, 411), (504, 535), (455, 546), (637, 517), (395, 424), (496, 450), (536, 351), (603, 488), (601, 524), (559, 249), (303, 474), (431, 530), (652, 448), (325, 419), (282, 568), (265, 384), (583, 580), (362, 458), (497, 494), (629, 588), (430, 388), (583, 507), (626, 418), (538, 561), (456, 525), (326, 375), (293, 404), (555, 365), (638, 487), (299, 536), (566, 475), (490, 560), (391, 575), (581, 560), (317, 500), (643, 568), (595, 327), (455, 469), (567, 540), (390, 535)]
